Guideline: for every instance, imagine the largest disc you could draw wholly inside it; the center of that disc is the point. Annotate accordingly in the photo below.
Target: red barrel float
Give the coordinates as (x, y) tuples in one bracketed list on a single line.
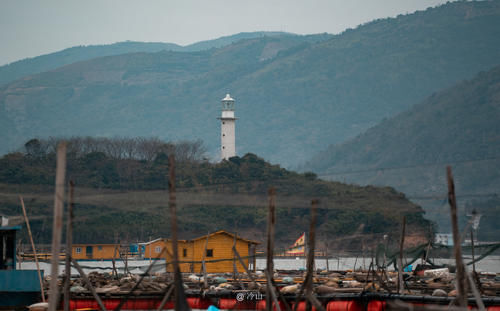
[(344, 305), (233, 304), (112, 303), (302, 306), (261, 305), (376, 305), (198, 303)]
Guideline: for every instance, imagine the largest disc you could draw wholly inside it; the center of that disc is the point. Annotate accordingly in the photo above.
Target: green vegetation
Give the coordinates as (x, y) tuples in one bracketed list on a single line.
[(294, 95), (458, 126), (121, 189)]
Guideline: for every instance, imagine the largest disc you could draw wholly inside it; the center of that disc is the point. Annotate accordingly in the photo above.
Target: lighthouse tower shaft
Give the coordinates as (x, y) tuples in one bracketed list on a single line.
[(228, 129)]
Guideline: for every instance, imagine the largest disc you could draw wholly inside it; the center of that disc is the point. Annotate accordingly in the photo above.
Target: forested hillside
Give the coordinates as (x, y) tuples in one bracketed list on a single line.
[(121, 189), (459, 126), (291, 99)]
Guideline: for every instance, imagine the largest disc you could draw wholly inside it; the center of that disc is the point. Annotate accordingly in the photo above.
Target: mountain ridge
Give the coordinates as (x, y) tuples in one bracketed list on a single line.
[(46, 62), (293, 98)]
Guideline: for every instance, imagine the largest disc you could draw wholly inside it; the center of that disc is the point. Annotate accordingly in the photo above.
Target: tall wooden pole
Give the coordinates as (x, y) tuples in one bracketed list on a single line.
[(400, 259), (33, 247), (254, 258), (69, 242), (89, 284), (460, 272), (235, 269), (180, 298), (271, 221), (310, 254), (165, 298), (203, 264), (473, 257), (57, 224), (173, 213)]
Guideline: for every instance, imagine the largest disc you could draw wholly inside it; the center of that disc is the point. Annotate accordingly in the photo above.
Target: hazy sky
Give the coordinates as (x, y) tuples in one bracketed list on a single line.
[(33, 27)]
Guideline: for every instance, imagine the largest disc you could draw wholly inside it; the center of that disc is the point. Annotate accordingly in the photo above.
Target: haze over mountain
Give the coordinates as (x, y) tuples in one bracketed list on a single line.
[(294, 95), (459, 126), (21, 68)]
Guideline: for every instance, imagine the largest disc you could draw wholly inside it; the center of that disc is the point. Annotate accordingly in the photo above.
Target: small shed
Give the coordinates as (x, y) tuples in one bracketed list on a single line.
[(95, 251)]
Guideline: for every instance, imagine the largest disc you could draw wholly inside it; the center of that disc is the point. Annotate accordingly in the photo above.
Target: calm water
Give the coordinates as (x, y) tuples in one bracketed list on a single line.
[(489, 264)]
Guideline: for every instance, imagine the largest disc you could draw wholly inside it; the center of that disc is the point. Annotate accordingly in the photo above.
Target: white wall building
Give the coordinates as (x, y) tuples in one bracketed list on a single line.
[(227, 129)]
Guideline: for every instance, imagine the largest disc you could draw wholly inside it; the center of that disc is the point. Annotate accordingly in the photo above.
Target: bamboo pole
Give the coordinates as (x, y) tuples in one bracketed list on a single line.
[(172, 206), (69, 241), (148, 270), (113, 260), (33, 247), (271, 220), (250, 276), (89, 284), (57, 224), (400, 259), (254, 259), (180, 298), (203, 264), (326, 255), (282, 298), (475, 292), (428, 246), (270, 289), (126, 258), (310, 254), (165, 298), (236, 276), (473, 257), (235, 270), (460, 272), (19, 258), (315, 302), (114, 272)]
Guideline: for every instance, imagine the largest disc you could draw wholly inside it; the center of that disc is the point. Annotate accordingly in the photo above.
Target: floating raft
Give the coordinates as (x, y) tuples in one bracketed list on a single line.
[(337, 302), (340, 291)]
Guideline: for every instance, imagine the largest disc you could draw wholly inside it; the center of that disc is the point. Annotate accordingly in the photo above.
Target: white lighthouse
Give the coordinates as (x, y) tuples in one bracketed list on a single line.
[(227, 129)]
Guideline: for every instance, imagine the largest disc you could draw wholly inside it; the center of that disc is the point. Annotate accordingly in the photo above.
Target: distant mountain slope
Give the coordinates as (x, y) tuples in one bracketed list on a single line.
[(293, 98), (29, 66), (75, 54), (458, 126)]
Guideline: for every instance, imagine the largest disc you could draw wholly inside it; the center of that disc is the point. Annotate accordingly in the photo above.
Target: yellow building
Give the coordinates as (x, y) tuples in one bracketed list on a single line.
[(153, 249), (219, 245), (95, 251), (185, 253)]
